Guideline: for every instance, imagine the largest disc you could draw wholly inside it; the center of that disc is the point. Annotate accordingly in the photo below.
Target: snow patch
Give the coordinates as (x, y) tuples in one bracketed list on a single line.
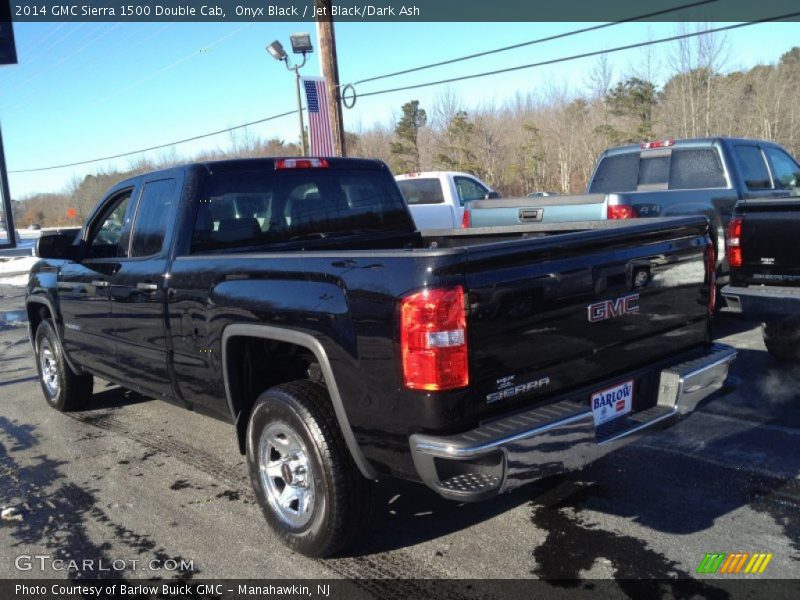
[(14, 271)]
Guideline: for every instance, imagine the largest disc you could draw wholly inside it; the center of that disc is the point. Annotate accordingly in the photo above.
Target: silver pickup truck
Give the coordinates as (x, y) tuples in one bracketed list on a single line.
[(547, 209)]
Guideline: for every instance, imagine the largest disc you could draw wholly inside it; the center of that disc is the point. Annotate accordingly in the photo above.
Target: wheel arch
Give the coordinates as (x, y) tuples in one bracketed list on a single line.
[(304, 340), (37, 308)]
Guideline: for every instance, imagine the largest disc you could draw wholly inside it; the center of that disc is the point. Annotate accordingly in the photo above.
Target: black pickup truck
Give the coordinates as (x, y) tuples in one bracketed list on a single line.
[(295, 299), (764, 254)]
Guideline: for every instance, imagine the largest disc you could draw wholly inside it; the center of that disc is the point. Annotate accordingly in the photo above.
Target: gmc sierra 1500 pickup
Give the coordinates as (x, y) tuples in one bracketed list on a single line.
[(295, 299), (765, 270)]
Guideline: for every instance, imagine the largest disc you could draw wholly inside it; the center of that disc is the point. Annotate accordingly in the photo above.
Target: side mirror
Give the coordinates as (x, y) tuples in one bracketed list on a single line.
[(491, 196), (59, 245)]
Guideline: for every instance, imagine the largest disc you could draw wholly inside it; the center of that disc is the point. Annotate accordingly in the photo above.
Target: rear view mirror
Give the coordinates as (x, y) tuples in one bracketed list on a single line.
[(491, 196), (59, 245)]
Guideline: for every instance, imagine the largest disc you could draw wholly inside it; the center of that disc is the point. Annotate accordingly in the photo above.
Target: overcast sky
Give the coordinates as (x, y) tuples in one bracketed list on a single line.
[(84, 90)]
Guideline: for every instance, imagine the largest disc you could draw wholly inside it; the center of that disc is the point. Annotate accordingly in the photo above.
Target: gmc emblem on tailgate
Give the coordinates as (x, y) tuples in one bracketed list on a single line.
[(607, 309)]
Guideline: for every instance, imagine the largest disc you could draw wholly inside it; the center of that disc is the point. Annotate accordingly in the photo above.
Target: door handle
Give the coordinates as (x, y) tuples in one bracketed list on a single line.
[(530, 214), (99, 283), (147, 287)]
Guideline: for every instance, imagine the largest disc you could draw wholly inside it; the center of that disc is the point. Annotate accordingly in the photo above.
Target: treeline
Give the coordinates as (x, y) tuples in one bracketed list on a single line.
[(50, 210), (544, 140), (550, 140)]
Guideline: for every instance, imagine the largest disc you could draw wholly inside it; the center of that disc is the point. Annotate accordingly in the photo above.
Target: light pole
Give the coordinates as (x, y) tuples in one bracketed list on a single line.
[(301, 44)]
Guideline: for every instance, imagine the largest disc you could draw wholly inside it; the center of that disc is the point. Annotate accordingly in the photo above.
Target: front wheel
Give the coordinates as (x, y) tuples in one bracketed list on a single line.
[(63, 389), (305, 480)]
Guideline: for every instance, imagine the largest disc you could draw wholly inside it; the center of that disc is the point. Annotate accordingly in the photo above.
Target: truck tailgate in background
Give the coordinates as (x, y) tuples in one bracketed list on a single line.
[(544, 209), (548, 315), (770, 243)]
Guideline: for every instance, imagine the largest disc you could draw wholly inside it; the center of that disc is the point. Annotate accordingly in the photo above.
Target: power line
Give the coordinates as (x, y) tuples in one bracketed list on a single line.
[(158, 147), (577, 56), (67, 33), (39, 42), (164, 69), (51, 66), (431, 83), (532, 42)]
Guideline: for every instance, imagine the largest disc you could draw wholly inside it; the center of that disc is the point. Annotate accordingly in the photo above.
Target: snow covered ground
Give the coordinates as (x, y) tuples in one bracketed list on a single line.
[(14, 271)]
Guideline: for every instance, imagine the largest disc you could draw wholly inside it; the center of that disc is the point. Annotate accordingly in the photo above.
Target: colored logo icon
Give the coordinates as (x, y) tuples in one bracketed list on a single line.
[(736, 563)]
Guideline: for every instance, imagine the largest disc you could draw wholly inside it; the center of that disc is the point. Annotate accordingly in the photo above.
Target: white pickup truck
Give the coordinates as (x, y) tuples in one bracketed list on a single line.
[(437, 198)]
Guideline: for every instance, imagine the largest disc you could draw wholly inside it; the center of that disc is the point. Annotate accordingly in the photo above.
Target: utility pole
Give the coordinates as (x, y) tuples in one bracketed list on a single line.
[(330, 71)]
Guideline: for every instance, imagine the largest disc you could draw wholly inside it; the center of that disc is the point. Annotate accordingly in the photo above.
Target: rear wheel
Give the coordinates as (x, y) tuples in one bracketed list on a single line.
[(63, 389), (308, 486), (782, 340)]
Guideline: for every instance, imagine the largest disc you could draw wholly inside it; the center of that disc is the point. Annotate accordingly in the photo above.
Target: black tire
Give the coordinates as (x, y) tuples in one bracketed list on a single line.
[(63, 389), (782, 340), (342, 497)]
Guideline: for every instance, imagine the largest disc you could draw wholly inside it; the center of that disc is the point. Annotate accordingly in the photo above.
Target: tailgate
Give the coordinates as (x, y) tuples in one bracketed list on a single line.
[(544, 209), (769, 243), (559, 313)]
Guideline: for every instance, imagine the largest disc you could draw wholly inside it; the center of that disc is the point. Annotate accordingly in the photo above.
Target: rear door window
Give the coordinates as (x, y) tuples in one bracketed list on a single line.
[(753, 167), (422, 191), (616, 173), (150, 226)]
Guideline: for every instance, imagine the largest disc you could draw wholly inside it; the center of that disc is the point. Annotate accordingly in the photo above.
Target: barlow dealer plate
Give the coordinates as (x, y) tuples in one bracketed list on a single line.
[(612, 402)]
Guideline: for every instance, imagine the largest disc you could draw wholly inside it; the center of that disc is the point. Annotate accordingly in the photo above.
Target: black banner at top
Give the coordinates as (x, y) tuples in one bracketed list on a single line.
[(403, 11)]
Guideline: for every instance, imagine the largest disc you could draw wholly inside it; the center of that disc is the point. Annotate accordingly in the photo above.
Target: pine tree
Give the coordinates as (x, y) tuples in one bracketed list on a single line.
[(635, 98), (455, 147), (406, 149)]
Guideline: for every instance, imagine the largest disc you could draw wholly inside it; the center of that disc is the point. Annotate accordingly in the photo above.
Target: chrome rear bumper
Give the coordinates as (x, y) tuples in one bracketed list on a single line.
[(504, 453), (762, 302)]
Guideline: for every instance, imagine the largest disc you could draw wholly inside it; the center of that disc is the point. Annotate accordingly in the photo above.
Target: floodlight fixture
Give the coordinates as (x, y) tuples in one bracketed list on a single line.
[(301, 43), (277, 51)]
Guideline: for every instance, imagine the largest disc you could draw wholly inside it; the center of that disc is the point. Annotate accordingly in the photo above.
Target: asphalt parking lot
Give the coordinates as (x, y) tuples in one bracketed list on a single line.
[(140, 480)]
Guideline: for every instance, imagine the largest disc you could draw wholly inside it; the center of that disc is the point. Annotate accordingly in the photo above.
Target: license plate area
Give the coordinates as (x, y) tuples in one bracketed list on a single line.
[(612, 402)]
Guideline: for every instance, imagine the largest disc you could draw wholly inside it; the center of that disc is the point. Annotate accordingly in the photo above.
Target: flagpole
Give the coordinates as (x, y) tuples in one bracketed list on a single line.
[(300, 113)]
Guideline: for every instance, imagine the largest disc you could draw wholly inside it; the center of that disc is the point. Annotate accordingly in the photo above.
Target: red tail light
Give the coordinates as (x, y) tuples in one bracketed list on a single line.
[(301, 163), (433, 340), (711, 271), (466, 220), (735, 242), (621, 211)]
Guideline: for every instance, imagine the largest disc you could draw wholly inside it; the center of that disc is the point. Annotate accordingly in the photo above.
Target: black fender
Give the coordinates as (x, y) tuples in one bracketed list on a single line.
[(309, 342), (45, 301)]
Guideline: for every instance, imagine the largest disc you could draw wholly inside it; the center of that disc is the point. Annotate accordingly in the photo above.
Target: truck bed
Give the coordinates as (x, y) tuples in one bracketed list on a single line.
[(529, 290)]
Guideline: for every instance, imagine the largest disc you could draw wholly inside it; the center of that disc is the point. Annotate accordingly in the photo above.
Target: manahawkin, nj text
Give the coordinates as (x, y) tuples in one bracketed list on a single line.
[(171, 590)]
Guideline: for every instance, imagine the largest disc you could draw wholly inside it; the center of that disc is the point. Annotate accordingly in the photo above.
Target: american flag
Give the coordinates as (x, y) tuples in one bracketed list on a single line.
[(319, 125)]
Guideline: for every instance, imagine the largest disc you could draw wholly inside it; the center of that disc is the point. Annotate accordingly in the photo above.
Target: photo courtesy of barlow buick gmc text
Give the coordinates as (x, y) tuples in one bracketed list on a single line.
[(325, 299)]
